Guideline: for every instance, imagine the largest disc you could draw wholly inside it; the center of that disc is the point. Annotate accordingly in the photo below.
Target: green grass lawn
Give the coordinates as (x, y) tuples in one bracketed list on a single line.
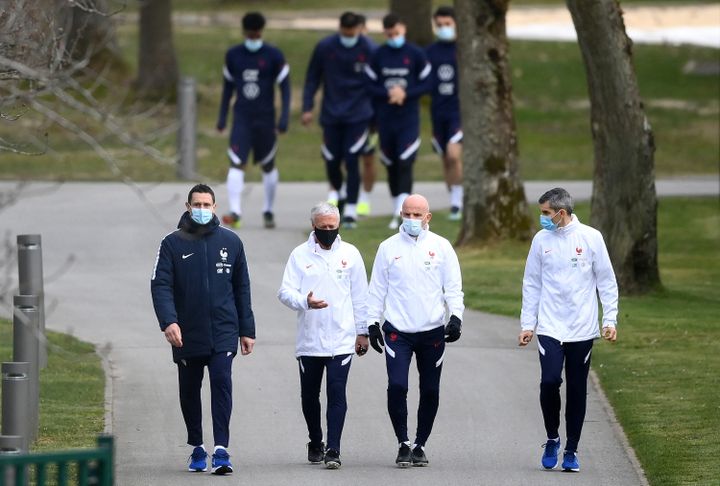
[(72, 391), (551, 109), (661, 377)]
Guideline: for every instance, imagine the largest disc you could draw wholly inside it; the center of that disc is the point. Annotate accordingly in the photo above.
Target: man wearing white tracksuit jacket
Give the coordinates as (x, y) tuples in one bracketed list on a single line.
[(416, 275), (567, 267), (326, 283)]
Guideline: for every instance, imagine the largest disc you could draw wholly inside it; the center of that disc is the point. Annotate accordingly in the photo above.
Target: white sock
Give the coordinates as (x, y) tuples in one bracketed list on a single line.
[(364, 196), (270, 181), (343, 192), (201, 445), (399, 200), (456, 196), (407, 443), (216, 448), (350, 211), (235, 184), (333, 195)]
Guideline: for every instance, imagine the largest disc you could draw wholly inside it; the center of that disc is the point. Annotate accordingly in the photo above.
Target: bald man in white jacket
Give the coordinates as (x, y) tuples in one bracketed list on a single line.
[(567, 267), (326, 283)]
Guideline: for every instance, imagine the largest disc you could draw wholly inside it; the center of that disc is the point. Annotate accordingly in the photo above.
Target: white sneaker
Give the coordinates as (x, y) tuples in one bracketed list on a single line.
[(394, 223)]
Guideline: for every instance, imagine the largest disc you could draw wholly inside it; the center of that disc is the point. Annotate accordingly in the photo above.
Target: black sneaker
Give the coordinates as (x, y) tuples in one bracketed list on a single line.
[(404, 457), (269, 219), (418, 457), (332, 459), (316, 452), (349, 222)]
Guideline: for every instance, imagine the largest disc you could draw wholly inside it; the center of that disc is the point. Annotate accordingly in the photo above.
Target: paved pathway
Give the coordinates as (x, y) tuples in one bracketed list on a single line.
[(488, 430)]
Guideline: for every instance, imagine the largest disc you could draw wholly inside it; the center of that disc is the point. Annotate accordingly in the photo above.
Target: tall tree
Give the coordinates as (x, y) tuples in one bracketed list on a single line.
[(495, 205), (417, 15), (157, 66), (624, 202)]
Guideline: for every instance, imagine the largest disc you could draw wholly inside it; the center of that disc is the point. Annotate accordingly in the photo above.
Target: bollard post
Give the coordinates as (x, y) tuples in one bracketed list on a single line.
[(187, 114), (12, 444), (30, 281), (15, 399), (25, 348)]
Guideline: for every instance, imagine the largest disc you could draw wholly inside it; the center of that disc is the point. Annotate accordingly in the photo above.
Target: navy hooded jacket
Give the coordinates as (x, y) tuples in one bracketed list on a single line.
[(201, 281)]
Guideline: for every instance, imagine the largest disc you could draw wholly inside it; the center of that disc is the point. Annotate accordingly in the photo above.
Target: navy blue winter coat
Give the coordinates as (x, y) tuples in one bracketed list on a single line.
[(201, 281)]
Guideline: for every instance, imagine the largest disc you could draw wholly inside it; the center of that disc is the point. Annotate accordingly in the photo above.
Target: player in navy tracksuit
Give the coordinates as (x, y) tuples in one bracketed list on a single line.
[(445, 106), (201, 294), (251, 71), (398, 74), (337, 63)]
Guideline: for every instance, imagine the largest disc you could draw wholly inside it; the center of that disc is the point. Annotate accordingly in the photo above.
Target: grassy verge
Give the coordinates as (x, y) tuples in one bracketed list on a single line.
[(551, 109), (72, 389), (661, 377)]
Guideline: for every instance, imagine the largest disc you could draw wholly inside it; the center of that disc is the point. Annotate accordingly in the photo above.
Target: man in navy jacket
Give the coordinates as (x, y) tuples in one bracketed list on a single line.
[(201, 294), (337, 63)]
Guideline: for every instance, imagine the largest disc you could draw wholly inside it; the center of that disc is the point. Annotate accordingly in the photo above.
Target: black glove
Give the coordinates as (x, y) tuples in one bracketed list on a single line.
[(376, 339), (453, 330)]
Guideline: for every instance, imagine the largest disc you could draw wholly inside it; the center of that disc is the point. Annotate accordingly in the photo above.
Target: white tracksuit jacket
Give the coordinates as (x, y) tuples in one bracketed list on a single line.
[(565, 271), (336, 276), (412, 282)]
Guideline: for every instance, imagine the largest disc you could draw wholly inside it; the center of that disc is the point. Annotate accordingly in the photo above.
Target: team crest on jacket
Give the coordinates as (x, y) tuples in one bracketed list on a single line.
[(223, 265), (578, 250), (431, 253), (393, 336), (344, 263)]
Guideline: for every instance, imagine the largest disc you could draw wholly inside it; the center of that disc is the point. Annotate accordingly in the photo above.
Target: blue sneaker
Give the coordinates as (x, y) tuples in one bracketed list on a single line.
[(198, 460), (570, 462), (221, 463), (550, 456)]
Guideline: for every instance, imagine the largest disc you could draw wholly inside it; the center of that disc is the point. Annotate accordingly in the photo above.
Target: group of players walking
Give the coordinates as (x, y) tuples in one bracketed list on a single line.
[(370, 92)]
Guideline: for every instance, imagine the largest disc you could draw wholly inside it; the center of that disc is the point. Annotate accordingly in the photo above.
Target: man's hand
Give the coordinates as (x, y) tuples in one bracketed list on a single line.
[(173, 335), (246, 345), (396, 95), (306, 118), (609, 333), (315, 303), (453, 329), (525, 337), (361, 345), (376, 339)]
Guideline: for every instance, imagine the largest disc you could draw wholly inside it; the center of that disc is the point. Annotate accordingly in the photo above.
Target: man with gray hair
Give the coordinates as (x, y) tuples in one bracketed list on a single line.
[(567, 267), (326, 283)]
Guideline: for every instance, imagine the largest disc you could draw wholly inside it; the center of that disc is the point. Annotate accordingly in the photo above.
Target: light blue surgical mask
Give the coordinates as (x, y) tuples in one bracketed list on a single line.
[(413, 227), (396, 42), (445, 33), (201, 215), (253, 45), (349, 41), (547, 222)]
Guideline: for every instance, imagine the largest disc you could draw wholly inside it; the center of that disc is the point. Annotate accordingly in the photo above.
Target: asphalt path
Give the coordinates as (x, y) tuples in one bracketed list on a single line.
[(99, 245)]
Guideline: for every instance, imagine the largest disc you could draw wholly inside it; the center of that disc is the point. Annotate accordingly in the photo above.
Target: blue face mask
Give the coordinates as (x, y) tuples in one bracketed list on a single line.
[(547, 222), (201, 215), (253, 45), (413, 227), (349, 41), (396, 42), (445, 33)]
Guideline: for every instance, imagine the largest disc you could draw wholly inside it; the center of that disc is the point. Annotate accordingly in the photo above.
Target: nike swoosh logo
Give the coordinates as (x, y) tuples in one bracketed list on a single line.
[(188, 255), (398, 258), (308, 266), (548, 251)]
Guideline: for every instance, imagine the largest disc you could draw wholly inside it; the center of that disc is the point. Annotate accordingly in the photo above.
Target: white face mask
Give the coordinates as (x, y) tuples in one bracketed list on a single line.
[(413, 227), (253, 45), (201, 215), (445, 33), (349, 42)]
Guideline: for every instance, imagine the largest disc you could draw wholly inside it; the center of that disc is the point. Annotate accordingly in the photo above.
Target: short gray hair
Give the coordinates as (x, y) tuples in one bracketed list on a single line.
[(558, 199), (324, 208)]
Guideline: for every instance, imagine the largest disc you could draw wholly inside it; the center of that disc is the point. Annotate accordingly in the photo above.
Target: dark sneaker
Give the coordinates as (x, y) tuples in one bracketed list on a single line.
[(332, 459), (269, 219), (570, 462), (221, 463), (404, 457), (418, 456), (316, 452), (551, 453), (198, 460), (349, 223), (232, 220), (455, 214)]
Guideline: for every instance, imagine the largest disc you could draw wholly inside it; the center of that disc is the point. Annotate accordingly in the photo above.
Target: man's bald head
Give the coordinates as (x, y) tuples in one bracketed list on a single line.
[(416, 206)]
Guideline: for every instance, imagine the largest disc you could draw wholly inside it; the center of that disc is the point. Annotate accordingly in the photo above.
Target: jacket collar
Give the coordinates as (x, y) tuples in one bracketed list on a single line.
[(187, 225), (570, 227), (420, 237)]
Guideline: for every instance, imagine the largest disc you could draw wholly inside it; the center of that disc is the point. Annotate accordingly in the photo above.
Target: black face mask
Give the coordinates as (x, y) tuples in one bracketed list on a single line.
[(326, 237)]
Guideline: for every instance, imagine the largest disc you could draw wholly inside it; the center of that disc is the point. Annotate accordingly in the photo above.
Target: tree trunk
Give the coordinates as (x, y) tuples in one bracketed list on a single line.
[(90, 33), (624, 203), (494, 205), (157, 66), (417, 15)]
